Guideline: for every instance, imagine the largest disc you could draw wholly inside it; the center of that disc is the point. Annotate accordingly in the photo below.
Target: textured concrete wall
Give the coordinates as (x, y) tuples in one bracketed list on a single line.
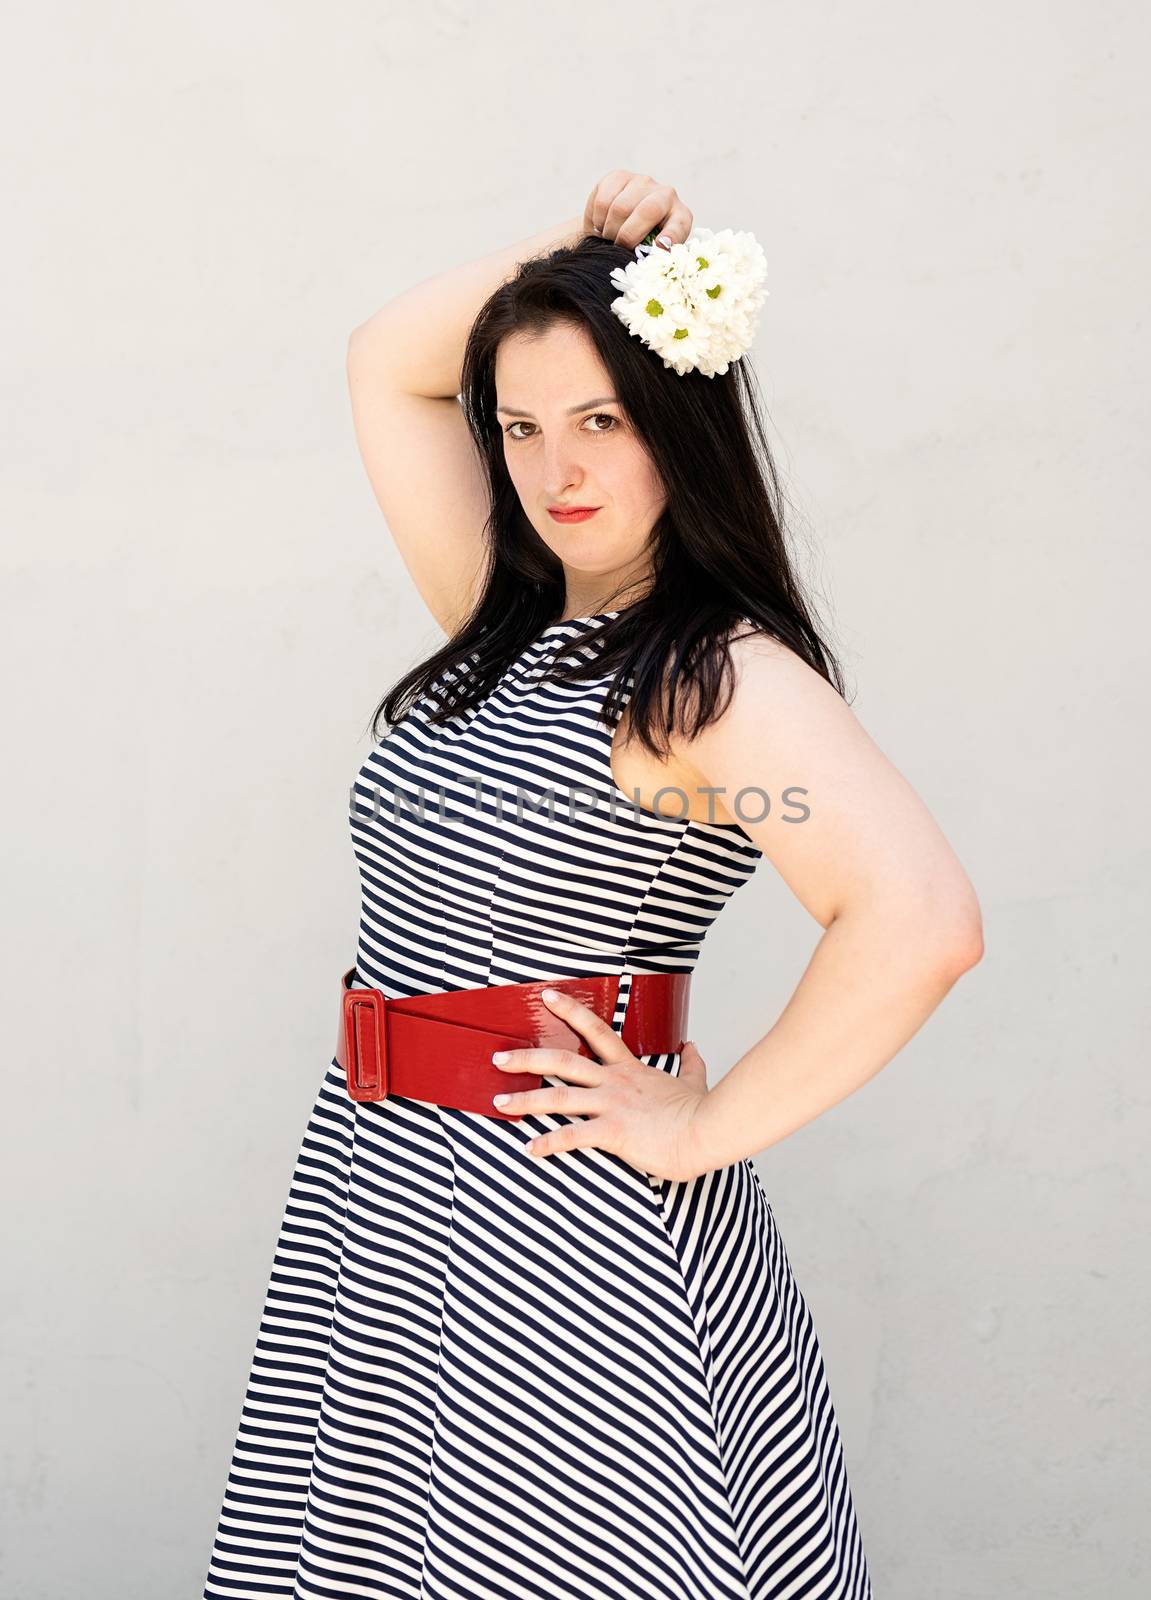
[(202, 606)]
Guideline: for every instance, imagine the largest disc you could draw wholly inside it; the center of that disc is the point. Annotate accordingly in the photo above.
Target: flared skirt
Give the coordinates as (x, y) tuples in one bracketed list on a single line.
[(482, 1374)]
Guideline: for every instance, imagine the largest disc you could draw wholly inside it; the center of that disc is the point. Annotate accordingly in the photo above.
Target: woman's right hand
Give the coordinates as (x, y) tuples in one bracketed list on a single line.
[(625, 207)]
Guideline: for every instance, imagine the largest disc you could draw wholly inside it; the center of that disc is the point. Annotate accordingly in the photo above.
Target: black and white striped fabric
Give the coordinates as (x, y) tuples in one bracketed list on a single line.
[(484, 1376)]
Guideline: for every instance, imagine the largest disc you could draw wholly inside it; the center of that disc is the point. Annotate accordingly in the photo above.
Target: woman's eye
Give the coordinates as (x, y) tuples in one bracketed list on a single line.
[(596, 416)]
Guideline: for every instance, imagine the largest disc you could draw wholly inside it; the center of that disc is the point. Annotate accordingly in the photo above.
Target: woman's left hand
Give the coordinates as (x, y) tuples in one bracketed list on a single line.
[(635, 1111)]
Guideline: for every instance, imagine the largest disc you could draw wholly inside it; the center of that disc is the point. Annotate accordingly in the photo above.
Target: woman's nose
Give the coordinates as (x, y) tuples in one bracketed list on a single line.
[(562, 468)]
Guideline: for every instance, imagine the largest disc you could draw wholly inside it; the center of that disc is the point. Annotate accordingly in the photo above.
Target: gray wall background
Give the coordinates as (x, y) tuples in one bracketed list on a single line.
[(202, 605)]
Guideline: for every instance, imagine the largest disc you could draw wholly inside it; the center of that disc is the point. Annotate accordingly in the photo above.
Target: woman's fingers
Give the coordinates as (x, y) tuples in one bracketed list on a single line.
[(602, 196), (549, 1063), (626, 206), (580, 1072), (565, 1099), (638, 208), (679, 223), (600, 1035), (661, 210)]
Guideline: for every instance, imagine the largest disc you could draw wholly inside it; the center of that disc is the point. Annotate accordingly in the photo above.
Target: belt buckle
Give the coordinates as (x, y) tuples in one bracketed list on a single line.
[(366, 1043)]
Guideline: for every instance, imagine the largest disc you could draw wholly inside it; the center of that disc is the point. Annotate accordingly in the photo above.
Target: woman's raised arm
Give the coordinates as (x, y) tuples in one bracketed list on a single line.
[(404, 365)]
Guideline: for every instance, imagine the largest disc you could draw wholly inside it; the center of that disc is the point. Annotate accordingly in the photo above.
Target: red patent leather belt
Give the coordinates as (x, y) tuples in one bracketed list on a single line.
[(439, 1046)]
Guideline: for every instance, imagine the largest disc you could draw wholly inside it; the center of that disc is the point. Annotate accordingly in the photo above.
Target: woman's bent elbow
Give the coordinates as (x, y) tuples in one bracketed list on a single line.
[(961, 946)]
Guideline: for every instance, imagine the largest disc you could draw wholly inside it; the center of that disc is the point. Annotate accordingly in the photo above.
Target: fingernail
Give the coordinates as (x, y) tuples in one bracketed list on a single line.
[(500, 1055), (664, 238), (500, 1099), (550, 994)]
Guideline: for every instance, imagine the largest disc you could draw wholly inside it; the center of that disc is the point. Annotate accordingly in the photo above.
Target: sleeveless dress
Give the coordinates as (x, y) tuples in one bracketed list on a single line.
[(482, 1374)]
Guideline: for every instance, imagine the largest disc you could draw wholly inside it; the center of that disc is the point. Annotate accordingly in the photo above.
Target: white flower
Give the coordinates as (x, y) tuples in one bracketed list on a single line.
[(697, 304)]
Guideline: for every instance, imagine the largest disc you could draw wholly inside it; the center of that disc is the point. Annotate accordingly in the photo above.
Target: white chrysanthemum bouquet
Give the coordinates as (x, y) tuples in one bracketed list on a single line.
[(696, 304)]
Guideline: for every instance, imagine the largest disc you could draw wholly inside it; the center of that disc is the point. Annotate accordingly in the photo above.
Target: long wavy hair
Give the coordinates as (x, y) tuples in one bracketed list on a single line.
[(718, 553)]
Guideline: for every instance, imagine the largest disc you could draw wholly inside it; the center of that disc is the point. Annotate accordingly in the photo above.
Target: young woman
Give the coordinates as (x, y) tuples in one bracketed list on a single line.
[(556, 1349)]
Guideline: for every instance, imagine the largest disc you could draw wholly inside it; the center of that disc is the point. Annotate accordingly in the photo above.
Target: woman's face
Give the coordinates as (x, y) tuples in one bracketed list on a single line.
[(567, 443)]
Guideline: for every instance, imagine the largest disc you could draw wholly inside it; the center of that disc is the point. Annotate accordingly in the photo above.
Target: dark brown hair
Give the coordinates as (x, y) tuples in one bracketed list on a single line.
[(718, 552)]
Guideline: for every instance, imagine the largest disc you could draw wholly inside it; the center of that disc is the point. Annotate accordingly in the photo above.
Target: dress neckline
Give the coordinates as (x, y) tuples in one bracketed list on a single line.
[(570, 622)]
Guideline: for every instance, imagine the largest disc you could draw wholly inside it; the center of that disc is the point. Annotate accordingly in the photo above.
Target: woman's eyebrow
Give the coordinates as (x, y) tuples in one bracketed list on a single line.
[(604, 400)]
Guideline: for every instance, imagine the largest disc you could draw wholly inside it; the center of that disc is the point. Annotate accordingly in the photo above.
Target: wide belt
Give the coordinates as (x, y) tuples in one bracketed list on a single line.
[(439, 1046)]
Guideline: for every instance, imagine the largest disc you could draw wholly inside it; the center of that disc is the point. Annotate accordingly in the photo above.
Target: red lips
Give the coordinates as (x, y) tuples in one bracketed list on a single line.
[(571, 513)]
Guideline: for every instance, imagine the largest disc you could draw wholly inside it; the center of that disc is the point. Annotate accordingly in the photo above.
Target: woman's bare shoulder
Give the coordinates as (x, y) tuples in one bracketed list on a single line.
[(762, 661)]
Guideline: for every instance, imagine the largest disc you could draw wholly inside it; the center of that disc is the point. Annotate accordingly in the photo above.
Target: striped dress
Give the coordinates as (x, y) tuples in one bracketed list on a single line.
[(483, 1376)]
